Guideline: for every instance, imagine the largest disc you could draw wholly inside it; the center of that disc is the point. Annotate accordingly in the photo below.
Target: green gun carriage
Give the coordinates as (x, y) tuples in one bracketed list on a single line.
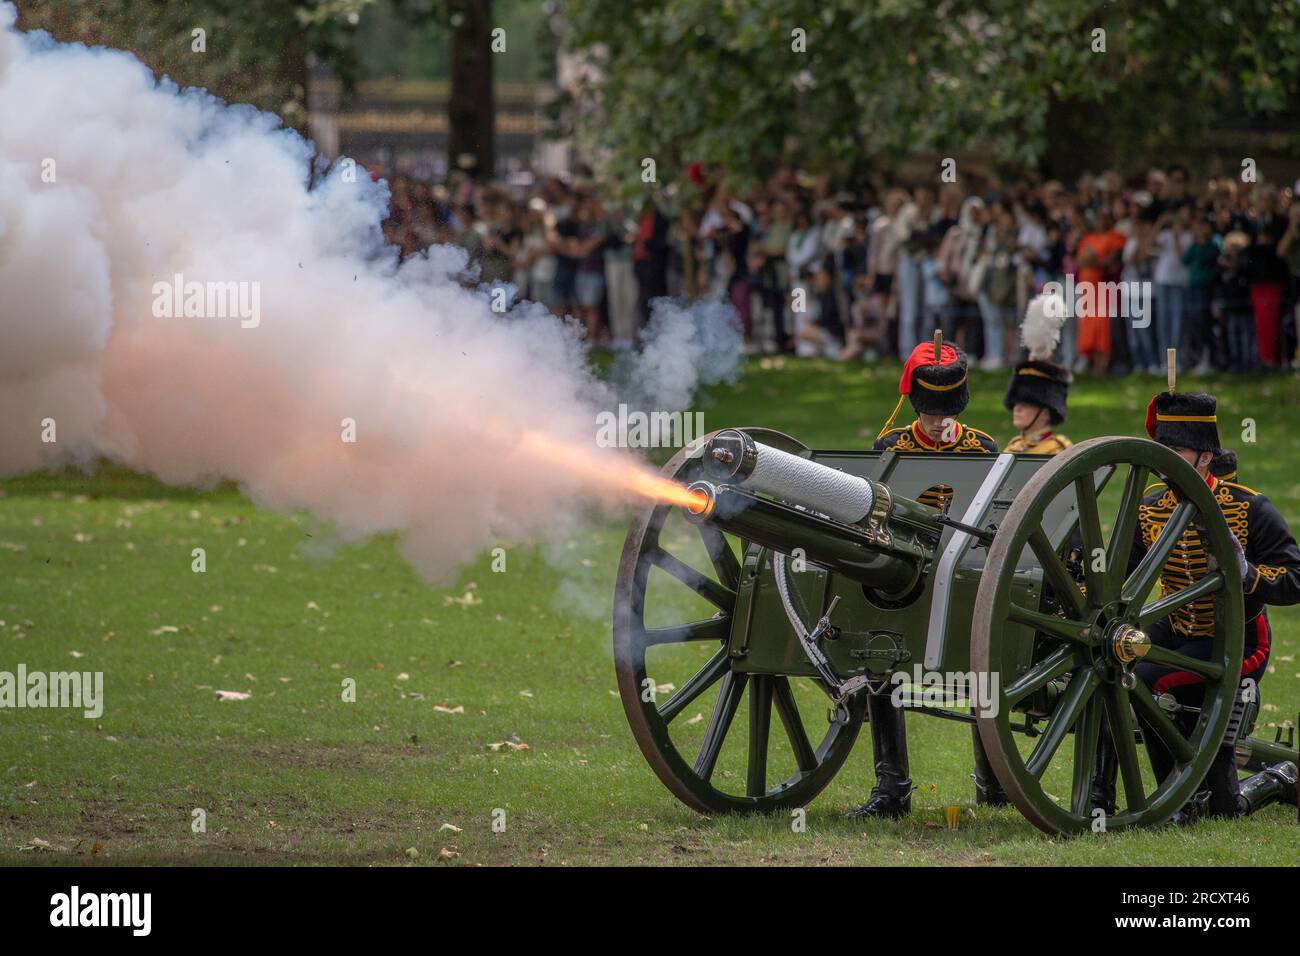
[(822, 578)]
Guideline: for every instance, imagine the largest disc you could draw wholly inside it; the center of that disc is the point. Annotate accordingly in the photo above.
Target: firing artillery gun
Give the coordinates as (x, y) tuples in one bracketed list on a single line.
[(825, 579)]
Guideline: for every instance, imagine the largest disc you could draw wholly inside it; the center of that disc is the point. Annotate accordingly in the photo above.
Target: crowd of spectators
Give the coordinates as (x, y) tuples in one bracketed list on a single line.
[(1214, 264)]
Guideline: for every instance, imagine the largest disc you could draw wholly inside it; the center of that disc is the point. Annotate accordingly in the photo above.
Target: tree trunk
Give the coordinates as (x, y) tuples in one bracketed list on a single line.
[(471, 112)]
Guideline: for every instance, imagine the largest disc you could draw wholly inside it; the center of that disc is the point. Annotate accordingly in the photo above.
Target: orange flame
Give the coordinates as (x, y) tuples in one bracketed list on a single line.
[(622, 474), (664, 489)]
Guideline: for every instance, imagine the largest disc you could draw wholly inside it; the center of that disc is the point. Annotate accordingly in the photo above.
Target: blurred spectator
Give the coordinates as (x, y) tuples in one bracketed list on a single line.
[(841, 275), (650, 252), (1170, 275), (1234, 297), (1201, 259), (1098, 259), (620, 280), (1139, 267), (1267, 275)]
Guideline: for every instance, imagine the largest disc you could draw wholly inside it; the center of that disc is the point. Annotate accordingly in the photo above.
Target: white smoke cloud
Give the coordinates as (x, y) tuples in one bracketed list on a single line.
[(470, 427)]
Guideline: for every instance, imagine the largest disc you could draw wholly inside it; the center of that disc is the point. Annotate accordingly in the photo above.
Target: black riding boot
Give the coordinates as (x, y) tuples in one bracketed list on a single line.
[(988, 791), (892, 794), (1219, 794), (1103, 777), (1272, 784), (1223, 783)]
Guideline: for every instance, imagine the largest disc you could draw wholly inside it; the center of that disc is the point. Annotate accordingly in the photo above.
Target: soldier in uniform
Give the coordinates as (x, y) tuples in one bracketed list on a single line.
[(1036, 397), (1036, 393), (1268, 562), (934, 381), (1223, 466)]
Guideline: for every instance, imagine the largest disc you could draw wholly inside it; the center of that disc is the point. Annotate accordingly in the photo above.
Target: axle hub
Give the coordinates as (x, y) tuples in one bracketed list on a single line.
[(1128, 643)]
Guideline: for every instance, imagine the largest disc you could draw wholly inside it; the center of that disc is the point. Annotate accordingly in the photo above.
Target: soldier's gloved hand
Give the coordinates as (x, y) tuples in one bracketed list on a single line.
[(1243, 568)]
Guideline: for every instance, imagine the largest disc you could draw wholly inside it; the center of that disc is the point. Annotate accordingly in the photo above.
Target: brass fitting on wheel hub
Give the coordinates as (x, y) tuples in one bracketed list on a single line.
[(1129, 643)]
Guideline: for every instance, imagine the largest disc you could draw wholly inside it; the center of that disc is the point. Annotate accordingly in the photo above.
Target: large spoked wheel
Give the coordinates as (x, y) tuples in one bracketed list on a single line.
[(1088, 640), (694, 759)]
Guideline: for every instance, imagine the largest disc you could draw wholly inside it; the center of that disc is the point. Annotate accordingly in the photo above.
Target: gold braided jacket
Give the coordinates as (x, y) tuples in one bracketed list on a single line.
[(1047, 443), (1272, 557), (964, 440)]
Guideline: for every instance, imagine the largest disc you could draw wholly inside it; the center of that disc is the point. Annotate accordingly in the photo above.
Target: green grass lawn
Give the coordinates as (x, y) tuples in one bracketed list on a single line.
[(95, 575)]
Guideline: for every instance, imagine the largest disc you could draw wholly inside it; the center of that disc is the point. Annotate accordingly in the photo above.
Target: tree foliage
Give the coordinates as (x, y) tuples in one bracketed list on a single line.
[(254, 52), (720, 81)]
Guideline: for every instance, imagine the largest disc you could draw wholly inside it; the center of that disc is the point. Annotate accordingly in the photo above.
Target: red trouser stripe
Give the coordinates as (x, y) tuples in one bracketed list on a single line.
[(1252, 663)]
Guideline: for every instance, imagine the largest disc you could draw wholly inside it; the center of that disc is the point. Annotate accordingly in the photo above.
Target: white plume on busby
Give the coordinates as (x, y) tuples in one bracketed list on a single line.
[(1038, 380), (1041, 329)]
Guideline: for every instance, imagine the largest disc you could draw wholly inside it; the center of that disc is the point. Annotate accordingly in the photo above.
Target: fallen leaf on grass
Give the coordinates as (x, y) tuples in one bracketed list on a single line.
[(458, 709), (43, 846), (496, 747), (96, 847), (165, 629), (450, 826), (468, 599), (446, 853), (232, 695), (696, 719)]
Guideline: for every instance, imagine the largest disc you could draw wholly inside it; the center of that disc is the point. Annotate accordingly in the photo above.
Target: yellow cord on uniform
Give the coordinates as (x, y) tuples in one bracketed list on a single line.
[(892, 415)]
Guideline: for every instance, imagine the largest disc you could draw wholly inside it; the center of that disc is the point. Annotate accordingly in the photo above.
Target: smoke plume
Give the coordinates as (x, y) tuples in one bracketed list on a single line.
[(470, 427)]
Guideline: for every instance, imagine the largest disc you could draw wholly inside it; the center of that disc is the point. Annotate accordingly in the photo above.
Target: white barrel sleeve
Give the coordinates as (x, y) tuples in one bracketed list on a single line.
[(798, 481)]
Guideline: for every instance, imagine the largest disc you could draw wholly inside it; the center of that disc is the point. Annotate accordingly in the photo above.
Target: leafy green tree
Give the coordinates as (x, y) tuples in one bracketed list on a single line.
[(847, 85), (251, 52)]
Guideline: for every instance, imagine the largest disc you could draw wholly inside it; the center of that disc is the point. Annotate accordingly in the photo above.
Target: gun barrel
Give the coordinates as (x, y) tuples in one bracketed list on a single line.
[(891, 567), (732, 457)]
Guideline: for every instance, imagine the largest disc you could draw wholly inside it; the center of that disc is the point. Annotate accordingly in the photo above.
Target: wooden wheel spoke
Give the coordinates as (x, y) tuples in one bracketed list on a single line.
[(712, 629), (701, 681), (718, 595), (1119, 716), (1163, 655), (1140, 581), (1166, 605), (1120, 548), (804, 755), (725, 565), (760, 724), (1073, 631), (1158, 723), (1099, 582), (1067, 712), (1086, 737), (724, 709), (1040, 675), (1056, 574)]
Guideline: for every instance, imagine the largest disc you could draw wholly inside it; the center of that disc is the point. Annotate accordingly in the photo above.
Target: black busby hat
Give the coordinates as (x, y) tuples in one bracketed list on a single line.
[(1224, 465), (1039, 383), (936, 387), (1184, 420), (1039, 380)]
